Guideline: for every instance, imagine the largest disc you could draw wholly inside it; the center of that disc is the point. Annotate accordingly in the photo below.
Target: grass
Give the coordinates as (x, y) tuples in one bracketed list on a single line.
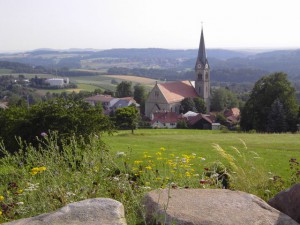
[(52, 175), (274, 149)]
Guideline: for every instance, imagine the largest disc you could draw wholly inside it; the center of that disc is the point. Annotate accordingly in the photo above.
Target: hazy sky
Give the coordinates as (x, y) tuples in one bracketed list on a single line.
[(174, 24)]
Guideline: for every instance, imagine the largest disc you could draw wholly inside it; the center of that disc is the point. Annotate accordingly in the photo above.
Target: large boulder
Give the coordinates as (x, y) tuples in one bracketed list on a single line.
[(98, 211), (210, 207), (288, 202)]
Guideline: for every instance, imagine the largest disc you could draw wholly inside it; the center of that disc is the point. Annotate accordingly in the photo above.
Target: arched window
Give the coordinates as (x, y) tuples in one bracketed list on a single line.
[(200, 76), (206, 76)]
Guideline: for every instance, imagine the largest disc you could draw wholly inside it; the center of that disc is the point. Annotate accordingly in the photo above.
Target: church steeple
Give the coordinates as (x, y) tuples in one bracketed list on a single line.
[(202, 72), (202, 58)]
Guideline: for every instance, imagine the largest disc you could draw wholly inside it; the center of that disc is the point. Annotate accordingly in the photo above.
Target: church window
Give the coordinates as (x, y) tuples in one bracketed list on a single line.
[(200, 76), (206, 75)]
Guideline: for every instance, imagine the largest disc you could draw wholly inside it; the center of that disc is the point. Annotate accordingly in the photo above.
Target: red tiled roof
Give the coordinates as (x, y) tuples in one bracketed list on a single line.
[(165, 117), (232, 112), (99, 98), (194, 119), (177, 91)]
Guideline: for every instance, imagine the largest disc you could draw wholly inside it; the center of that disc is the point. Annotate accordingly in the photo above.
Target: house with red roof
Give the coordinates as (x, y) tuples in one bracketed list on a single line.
[(167, 97), (164, 119)]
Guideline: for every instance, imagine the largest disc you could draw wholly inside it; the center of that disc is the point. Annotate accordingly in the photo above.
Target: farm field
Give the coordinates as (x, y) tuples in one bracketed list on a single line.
[(274, 150), (90, 83)]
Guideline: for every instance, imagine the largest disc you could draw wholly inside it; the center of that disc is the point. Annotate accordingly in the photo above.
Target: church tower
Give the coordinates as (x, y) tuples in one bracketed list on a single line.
[(202, 71)]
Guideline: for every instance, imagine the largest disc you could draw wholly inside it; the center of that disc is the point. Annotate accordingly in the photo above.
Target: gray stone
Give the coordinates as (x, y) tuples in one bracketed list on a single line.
[(288, 202), (211, 207), (98, 211)]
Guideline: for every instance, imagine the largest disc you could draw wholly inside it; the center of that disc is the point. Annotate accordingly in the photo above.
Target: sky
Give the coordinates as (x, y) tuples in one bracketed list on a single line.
[(171, 24)]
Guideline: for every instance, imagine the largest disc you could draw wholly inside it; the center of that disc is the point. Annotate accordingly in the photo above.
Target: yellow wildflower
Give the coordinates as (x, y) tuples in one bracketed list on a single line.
[(148, 167), (187, 174), (20, 191), (1, 198), (0, 213), (163, 149), (137, 162), (158, 153), (172, 155), (43, 168)]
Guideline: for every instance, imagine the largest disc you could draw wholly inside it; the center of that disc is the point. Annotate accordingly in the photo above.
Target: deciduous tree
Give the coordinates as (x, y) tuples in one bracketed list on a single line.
[(267, 90)]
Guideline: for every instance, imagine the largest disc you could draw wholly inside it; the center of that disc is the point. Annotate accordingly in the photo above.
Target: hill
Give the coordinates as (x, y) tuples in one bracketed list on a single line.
[(155, 63)]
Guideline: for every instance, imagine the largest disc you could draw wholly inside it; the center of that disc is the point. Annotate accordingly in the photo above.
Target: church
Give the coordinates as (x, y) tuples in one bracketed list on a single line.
[(168, 96)]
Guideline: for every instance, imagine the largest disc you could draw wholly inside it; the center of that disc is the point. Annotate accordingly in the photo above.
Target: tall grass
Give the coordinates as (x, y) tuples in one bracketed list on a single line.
[(42, 179)]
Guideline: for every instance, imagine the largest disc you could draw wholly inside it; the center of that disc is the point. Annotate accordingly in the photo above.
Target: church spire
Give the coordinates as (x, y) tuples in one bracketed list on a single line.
[(201, 59)]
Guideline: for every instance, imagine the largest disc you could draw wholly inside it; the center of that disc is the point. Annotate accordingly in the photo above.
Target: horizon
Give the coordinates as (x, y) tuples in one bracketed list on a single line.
[(168, 24)]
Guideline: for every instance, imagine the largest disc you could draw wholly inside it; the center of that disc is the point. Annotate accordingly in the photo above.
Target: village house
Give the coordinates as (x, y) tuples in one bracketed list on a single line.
[(164, 119), (109, 103)]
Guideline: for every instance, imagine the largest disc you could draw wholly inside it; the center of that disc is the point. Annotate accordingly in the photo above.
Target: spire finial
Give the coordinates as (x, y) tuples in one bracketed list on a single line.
[(201, 25)]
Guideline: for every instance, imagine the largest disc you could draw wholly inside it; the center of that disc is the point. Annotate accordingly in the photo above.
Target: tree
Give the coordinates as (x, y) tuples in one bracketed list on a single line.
[(139, 95), (267, 90), (199, 105), (276, 119), (124, 89), (67, 117), (127, 118), (187, 104), (223, 98)]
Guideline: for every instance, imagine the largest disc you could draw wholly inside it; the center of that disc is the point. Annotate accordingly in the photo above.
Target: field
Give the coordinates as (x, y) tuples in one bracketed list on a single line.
[(274, 150), (53, 176), (90, 83)]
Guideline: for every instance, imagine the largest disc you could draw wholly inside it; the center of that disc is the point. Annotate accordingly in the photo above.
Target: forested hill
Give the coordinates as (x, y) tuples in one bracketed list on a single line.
[(226, 65)]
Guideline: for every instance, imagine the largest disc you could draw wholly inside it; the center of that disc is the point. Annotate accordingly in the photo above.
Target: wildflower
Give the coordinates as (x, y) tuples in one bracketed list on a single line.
[(43, 168), (202, 159), (120, 154), (20, 203), (267, 191), (116, 179), (148, 167), (188, 174), (172, 155), (163, 149), (206, 169), (136, 162), (158, 153), (202, 181), (20, 191), (44, 134), (0, 213), (1, 198)]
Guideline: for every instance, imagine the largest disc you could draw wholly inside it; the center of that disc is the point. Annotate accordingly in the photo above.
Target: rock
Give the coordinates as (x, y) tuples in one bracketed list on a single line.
[(288, 202), (210, 207), (98, 211)]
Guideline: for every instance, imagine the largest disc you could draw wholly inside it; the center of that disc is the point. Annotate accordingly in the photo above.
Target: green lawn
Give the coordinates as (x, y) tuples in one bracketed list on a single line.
[(275, 150)]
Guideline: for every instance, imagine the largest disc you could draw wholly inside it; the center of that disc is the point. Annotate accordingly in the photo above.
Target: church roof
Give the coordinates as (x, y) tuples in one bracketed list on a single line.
[(177, 91), (202, 58)]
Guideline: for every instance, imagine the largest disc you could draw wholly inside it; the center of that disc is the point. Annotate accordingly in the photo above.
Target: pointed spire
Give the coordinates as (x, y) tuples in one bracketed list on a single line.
[(202, 51)]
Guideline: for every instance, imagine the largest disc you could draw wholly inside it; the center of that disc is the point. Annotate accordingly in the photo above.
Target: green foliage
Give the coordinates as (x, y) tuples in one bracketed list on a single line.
[(139, 95), (200, 105), (124, 89), (187, 104), (267, 90), (127, 118), (223, 98), (182, 124), (65, 116), (276, 118)]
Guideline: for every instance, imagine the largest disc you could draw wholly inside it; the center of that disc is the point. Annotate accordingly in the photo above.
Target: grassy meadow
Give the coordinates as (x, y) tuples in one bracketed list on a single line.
[(125, 166), (274, 150)]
